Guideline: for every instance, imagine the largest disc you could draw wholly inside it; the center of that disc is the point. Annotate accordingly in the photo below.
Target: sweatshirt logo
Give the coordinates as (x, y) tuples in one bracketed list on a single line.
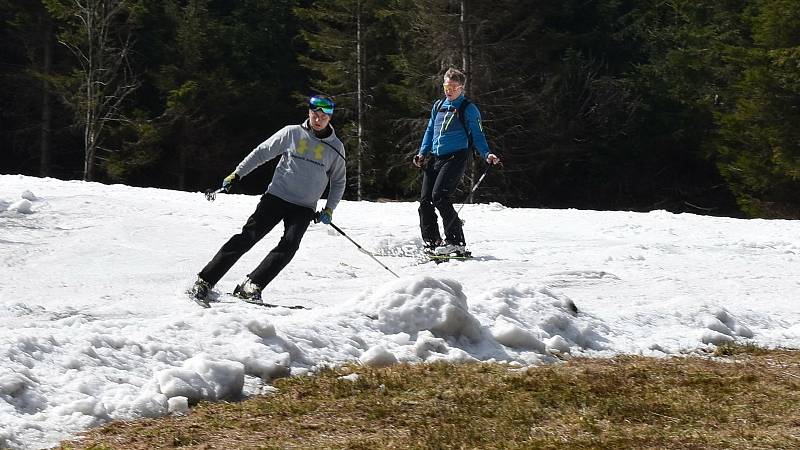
[(302, 148)]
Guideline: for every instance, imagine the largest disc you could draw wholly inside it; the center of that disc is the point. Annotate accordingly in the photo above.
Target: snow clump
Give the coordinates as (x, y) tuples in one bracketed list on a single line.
[(422, 303)]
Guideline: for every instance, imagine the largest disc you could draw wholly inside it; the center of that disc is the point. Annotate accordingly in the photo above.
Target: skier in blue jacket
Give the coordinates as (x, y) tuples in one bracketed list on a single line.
[(454, 126)]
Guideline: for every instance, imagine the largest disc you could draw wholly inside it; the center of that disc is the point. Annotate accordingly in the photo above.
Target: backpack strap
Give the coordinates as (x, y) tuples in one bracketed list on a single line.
[(326, 143), (436, 107), (462, 116), (333, 148)]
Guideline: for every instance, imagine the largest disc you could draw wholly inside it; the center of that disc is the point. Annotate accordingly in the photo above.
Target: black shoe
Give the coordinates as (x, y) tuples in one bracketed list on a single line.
[(248, 291), (200, 291)]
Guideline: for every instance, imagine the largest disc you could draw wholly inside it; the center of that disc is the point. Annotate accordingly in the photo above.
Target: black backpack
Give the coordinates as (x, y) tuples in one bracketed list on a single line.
[(461, 113)]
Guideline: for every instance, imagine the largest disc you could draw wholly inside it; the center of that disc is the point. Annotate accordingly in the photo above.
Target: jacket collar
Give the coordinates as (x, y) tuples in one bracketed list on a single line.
[(307, 126), (455, 102)]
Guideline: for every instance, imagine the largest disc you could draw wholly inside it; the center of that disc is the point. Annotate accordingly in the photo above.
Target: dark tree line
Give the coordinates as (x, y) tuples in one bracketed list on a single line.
[(689, 105)]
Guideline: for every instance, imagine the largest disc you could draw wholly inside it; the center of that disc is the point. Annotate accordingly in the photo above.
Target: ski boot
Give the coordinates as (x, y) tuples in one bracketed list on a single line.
[(453, 250), (200, 291), (446, 252), (430, 247), (249, 292)]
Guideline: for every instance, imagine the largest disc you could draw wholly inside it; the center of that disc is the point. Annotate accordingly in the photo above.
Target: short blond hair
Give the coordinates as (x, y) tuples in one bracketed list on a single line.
[(455, 75)]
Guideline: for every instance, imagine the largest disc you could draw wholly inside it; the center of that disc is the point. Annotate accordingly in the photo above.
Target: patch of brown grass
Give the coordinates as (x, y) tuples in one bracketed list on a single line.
[(748, 399)]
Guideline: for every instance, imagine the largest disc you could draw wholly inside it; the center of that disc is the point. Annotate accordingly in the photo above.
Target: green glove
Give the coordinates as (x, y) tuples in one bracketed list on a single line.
[(325, 216), (229, 181)]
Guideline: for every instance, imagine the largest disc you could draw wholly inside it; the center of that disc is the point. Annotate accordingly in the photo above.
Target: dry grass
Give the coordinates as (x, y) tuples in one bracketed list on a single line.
[(744, 398)]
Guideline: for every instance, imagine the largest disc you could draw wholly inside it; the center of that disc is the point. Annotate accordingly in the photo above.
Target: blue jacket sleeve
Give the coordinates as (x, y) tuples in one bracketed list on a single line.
[(427, 138), (473, 117)]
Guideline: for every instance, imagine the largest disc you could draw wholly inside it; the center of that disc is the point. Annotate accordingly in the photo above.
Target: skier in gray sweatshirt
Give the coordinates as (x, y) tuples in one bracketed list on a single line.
[(312, 157)]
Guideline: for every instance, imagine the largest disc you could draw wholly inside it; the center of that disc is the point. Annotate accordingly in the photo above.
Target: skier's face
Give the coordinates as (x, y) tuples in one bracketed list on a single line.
[(318, 120), (452, 89)]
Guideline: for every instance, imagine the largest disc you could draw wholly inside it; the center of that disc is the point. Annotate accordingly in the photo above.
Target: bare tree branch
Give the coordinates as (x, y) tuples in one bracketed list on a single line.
[(101, 42)]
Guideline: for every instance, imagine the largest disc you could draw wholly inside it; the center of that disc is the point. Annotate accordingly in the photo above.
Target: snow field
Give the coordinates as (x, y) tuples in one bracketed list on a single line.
[(95, 325)]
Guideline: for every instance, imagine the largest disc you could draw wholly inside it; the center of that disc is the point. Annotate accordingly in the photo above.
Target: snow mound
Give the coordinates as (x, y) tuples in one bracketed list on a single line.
[(19, 389), (258, 348), (378, 357), (428, 319), (21, 206), (421, 303), (537, 319), (514, 334), (696, 323), (28, 195), (178, 405), (202, 378), (720, 327)]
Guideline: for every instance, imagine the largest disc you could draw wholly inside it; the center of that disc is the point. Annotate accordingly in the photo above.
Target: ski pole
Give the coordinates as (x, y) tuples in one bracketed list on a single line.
[(366, 252), (474, 188), (469, 197)]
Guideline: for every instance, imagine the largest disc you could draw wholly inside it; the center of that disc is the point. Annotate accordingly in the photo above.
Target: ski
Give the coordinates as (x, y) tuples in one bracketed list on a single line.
[(438, 259), (265, 305), (444, 258), (270, 305), (200, 302), (424, 255), (213, 297), (251, 301)]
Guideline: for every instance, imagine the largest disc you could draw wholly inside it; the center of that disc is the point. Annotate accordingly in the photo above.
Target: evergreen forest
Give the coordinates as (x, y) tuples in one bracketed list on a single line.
[(686, 106)]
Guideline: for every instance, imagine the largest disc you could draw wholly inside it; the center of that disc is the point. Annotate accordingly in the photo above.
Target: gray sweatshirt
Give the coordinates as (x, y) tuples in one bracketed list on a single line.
[(306, 167)]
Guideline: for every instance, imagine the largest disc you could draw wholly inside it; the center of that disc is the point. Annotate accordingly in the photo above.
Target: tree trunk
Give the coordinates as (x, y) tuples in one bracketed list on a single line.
[(45, 148), (183, 157), (101, 41), (89, 70), (465, 64), (360, 71), (90, 151)]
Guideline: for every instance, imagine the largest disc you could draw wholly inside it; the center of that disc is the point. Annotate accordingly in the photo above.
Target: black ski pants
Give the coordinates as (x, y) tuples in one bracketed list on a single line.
[(440, 179), (268, 213)]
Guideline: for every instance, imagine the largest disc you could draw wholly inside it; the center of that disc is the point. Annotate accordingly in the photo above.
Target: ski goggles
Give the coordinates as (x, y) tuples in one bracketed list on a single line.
[(451, 87), (319, 103)]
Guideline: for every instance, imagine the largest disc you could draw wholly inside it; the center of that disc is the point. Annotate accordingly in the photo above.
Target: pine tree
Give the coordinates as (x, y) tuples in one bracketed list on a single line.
[(356, 67), (332, 30), (220, 78), (759, 142), (31, 116)]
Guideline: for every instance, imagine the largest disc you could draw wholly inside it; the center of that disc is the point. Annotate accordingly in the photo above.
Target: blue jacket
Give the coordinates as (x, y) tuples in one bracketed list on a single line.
[(446, 135)]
